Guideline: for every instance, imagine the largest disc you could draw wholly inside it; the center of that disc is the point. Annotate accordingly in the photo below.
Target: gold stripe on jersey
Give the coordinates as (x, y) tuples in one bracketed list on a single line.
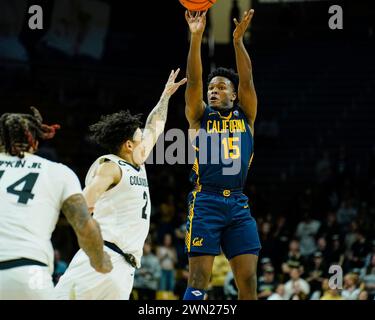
[(191, 207), (251, 160), (227, 117)]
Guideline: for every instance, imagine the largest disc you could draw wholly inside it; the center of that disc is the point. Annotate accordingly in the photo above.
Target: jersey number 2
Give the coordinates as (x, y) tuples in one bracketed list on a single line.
[(145, 197), (25, 194)]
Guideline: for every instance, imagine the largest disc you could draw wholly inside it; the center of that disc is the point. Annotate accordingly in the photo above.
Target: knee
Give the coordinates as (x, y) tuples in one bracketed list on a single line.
[(199, 279), (248, 282)]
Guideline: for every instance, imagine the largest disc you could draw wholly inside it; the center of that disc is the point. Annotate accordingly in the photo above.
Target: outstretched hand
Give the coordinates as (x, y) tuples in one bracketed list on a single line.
[(242, 26), (172, 86), (196, 21)]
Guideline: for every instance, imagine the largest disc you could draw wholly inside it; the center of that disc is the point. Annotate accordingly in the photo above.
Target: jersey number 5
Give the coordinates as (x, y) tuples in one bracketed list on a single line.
[(25, 194), (231, 150)]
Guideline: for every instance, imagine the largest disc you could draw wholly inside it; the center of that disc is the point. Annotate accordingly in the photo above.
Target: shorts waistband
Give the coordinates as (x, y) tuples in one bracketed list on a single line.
[(219, 191), (129, 258), (21, 262)]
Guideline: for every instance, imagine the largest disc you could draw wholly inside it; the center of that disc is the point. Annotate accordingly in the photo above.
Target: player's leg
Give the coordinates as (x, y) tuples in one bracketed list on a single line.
[(244, 269), (82, 282), (241, 245), (200, 268), (204, 226)]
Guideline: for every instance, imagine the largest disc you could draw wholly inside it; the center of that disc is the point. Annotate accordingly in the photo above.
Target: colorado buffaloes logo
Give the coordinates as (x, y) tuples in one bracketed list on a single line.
[(197, 242)]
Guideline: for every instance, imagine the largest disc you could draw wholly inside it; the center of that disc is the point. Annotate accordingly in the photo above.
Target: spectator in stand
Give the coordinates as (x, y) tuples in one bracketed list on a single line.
[(316, 272), (168, 258), (321, 245), (351, 236), (293, 257), (279, 293), (146, 279), (363, 295), (346, 214), (370, 254), (281, 233), (306, 232), (358, 251), (182, 276), (330, 293), (296, 284), (351, 289), (165, 220), (180, 234), (267, 283), (266, 239), (220, 269), (330, 226), (264, 263), (336, 252), (368, 277)]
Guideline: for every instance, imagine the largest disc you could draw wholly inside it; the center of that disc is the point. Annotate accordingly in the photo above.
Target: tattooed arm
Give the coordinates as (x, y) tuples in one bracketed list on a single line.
[(156, 120), (87, 231)]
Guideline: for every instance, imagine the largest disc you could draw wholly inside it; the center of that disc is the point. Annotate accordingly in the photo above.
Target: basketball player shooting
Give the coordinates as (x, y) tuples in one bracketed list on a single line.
[(219, 215), (118, 195)]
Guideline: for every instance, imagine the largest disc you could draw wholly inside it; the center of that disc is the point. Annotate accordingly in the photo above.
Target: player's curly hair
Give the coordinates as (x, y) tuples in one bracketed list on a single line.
[(226, 73), (19, 132), (114, 129)]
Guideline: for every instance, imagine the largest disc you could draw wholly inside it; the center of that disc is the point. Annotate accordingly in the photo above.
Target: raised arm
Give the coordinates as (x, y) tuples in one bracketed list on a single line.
[(246, 90), (194, 90), (87, 231), (157, 119)]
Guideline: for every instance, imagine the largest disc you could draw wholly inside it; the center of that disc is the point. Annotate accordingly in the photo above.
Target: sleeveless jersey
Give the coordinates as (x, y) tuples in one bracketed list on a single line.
[(123, 212), (224, 149), (32, 191)]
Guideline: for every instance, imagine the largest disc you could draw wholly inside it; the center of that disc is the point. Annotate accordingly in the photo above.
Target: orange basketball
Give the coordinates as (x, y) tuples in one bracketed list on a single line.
[(197, 5)]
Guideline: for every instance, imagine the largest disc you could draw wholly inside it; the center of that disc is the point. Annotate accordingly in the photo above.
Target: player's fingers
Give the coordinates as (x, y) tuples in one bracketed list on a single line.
[(176, 73), (250, 14), (171, 75), (182, 82), (235, 22)]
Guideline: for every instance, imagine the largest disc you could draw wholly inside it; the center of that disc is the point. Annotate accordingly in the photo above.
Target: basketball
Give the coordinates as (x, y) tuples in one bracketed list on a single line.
[(197, 5)]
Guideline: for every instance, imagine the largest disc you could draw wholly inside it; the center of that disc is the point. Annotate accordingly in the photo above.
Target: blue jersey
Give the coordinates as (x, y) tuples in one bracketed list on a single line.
[(224, 149)]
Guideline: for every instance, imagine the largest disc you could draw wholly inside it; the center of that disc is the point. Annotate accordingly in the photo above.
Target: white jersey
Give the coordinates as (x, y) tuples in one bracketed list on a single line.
[(123, 212), (32, 191)]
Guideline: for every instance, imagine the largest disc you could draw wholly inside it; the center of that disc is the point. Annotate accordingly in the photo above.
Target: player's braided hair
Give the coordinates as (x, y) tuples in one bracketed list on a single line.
[(114, 129), (226, 73), (19, 132)]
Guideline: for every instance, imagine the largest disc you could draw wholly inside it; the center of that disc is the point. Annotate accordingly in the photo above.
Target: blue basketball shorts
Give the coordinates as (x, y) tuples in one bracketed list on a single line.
[(216, 223)]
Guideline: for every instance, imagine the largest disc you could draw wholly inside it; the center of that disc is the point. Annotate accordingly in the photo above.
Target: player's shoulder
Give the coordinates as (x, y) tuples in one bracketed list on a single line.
[(108, 164)]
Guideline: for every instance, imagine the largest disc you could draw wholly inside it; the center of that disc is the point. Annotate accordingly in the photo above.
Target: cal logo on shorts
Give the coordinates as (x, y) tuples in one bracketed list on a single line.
[(197, 242)]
